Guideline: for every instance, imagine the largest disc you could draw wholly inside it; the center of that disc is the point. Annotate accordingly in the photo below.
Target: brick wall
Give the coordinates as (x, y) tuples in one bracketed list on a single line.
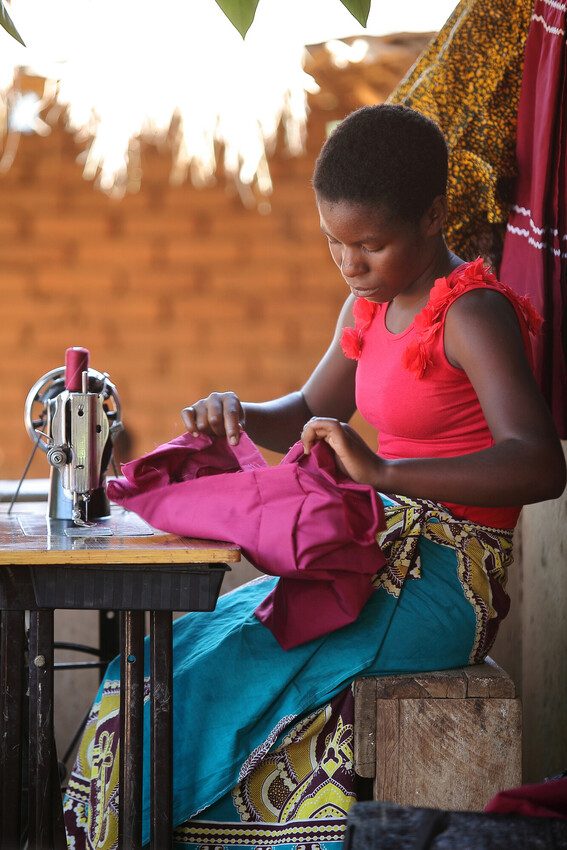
[(175, 291)]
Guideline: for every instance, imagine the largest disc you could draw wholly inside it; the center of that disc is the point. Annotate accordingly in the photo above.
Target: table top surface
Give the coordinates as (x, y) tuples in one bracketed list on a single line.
[(28, 537)]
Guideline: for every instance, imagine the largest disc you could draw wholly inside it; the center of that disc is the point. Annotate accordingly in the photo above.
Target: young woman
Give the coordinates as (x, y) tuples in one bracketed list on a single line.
[(434, 352)]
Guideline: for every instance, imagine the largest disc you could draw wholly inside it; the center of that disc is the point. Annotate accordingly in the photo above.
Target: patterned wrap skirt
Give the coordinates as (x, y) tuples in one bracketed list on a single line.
[(263, 737)]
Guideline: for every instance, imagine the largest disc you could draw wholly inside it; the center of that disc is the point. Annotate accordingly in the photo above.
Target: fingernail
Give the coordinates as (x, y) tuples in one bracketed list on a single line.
[(195, 433), (233, 440)]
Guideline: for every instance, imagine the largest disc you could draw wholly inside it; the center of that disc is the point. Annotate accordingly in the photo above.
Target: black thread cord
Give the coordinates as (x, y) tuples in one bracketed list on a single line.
[(24, 473)]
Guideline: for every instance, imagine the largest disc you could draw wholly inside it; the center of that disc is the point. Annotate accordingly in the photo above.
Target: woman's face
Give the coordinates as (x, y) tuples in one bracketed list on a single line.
[(379, 257)]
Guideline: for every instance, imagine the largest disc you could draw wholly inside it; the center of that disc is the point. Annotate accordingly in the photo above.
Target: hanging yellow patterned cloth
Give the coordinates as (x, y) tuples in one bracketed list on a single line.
[(468, 81)]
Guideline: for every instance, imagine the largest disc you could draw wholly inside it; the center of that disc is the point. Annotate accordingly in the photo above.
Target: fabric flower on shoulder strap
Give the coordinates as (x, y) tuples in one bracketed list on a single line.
[(429, 322), (352, 339)]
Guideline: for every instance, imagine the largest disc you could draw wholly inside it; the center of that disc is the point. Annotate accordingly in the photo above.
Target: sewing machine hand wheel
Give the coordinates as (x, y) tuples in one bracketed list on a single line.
[(49, 386)]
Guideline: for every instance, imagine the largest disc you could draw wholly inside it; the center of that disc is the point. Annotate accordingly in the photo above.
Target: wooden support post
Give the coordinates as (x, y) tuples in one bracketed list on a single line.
[(161, 693), (131, 729), (44, 793), (12, 646)]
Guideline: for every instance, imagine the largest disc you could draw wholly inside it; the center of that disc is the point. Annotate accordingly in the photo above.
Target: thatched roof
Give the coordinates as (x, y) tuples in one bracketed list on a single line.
[(372, 79)]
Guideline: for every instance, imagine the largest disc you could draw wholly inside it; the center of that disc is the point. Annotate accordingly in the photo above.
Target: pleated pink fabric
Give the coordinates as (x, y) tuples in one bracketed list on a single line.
[(301, 520)]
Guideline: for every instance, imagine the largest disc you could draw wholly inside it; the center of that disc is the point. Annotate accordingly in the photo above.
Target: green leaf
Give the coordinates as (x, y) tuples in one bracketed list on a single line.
[(239, 12), (358, 8), (8, 24)]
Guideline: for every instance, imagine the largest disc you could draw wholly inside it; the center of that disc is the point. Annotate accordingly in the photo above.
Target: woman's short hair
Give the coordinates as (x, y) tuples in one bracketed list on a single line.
[(388, 156)]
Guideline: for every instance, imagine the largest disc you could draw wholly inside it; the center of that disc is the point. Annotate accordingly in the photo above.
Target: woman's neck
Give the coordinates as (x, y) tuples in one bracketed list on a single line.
[(440, 263), (403, 309)]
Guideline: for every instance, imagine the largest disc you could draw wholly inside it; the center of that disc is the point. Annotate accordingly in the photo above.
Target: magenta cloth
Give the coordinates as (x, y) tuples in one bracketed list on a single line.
[(301, 520), (534, 260), (544, 800)]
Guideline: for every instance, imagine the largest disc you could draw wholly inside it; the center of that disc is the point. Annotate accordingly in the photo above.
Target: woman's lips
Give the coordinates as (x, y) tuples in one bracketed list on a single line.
[(363, 293)]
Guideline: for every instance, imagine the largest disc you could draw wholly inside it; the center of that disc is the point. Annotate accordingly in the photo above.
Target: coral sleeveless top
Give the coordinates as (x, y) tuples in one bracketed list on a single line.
[(420, 404)]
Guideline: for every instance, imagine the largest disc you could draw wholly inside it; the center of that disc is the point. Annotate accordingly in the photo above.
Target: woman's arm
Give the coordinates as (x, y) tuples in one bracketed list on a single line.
[(525, 464), (277, 424)]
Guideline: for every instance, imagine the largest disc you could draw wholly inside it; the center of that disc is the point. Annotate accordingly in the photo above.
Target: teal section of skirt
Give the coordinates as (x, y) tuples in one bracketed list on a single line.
[(430, 626), (234, 685), (236, 690)]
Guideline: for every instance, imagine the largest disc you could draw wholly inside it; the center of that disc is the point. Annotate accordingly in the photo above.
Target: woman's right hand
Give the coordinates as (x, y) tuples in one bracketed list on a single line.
[(221, 414)]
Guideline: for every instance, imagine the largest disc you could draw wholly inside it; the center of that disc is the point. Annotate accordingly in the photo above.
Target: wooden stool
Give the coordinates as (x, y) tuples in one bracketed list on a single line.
[(448, 739)]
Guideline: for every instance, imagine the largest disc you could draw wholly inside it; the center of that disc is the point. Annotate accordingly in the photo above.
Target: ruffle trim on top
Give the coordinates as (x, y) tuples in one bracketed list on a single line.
[(429, 322), (352, 339)]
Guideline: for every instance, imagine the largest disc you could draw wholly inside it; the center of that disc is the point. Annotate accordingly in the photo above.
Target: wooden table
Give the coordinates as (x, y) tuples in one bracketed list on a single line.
[(44, 566)]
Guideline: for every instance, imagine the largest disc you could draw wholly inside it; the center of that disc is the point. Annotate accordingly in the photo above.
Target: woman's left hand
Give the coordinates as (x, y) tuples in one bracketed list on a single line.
[(353, 457)]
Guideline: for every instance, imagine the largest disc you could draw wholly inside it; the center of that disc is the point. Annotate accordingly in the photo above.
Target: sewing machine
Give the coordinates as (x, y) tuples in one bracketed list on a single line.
[(73, 414)]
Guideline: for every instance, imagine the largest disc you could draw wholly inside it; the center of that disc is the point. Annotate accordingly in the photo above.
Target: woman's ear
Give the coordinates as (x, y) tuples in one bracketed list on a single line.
[(434, 218)]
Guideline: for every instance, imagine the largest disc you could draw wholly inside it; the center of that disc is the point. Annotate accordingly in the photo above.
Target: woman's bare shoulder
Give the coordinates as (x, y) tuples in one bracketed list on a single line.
[(346, 316), (480, 314)]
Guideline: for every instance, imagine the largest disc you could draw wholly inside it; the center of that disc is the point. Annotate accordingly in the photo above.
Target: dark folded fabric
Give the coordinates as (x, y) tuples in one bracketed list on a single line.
[(385, 826)]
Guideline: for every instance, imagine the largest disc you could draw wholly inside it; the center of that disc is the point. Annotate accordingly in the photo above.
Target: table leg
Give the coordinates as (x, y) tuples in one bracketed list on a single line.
[(44, 800), (12, 648), (131, 729), (161, 788)]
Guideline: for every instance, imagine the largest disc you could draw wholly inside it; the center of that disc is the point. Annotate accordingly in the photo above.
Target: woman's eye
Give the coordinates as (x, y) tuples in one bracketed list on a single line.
[(371, 249)]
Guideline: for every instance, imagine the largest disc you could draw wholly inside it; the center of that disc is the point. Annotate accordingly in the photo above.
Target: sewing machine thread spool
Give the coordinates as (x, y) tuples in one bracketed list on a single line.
[(76, 362)]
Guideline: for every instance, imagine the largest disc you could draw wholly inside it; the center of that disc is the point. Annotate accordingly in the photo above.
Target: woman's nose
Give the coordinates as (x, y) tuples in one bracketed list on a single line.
[(352, 263)]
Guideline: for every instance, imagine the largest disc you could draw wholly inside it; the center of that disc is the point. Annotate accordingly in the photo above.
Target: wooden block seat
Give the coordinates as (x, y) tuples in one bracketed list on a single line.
[(448, 739)]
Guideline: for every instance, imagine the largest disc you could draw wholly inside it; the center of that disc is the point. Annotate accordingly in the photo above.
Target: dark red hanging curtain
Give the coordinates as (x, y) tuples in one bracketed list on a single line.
[(534, 260)]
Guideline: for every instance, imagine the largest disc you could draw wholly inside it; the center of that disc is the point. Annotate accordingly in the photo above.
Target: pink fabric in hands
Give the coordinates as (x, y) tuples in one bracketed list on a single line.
[(301, 520), (183, 459)]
